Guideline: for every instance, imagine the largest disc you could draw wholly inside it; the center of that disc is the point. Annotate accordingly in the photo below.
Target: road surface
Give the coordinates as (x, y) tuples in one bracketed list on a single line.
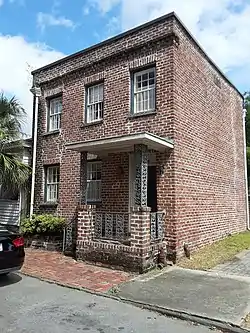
[(32, 306)]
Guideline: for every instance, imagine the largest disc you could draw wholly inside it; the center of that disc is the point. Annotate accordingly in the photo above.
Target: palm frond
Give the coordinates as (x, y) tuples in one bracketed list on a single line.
[(13, 173), (12, 117)]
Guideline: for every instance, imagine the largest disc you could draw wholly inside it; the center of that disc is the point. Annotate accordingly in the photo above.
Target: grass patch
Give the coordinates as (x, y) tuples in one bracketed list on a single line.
[(217, 253)]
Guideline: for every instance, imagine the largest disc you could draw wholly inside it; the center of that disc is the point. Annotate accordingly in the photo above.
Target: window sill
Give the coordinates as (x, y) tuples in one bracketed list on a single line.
[(142, 114), (48, 204), (98, 122), (51, 133), (97, 203)]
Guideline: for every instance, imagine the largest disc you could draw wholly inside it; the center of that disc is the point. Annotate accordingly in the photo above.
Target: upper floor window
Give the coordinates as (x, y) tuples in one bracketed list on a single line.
[(54, 114), (94, 181), (94, 105), (144, 91), (52, 179)]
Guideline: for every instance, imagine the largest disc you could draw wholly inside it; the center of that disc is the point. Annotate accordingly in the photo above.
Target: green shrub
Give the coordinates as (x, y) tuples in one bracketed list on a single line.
[(45, 224)]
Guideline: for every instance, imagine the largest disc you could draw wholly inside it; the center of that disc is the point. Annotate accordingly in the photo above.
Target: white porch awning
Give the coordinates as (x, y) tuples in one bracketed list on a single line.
[(122, 143)]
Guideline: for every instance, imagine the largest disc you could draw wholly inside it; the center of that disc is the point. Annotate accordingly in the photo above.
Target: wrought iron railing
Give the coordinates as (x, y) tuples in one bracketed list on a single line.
[(157, 225), (111, 225), (69, 237)]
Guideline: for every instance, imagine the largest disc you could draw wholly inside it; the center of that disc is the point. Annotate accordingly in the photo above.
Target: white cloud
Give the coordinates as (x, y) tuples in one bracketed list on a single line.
[(103, 6), (85, 10), (113, 26), (44, 20), (221, 26), (15, 63)]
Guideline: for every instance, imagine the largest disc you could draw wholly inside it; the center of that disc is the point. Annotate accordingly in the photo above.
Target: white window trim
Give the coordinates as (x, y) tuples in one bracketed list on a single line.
[(89, 181), (48, 184), (135, 93), (57, 114), (91, 104)]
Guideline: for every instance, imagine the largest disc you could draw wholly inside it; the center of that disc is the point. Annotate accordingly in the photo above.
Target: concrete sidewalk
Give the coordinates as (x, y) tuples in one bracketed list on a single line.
[(210, 296)]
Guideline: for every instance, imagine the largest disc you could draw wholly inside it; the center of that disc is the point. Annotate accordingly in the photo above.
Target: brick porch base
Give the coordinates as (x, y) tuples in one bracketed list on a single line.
[(64, 270)]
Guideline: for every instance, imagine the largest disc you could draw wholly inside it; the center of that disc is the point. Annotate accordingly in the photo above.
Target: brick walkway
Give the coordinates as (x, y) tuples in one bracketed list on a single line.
[(240, 265), (56, 267)]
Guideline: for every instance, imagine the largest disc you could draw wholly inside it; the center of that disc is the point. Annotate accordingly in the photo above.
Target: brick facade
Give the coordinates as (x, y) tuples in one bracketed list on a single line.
[(209, 150), (201, 189), (139, 254)]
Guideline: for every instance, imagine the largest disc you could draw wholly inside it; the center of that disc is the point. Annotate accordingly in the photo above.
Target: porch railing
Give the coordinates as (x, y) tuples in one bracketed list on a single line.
[(111, 225), (157, 225)]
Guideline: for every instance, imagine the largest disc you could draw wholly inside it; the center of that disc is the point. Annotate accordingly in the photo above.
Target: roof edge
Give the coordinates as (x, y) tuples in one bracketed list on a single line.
[(206, 55), (107, 41), (133, 30)]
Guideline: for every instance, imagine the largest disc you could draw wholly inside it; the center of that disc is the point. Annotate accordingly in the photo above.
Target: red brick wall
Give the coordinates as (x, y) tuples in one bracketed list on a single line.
[(115, 183), (202, 188), (138, 254), (117, 121), (115, 49), (209, 162)]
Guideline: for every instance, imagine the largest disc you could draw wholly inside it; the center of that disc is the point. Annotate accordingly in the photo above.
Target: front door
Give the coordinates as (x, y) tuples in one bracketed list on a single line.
[(152, 188)]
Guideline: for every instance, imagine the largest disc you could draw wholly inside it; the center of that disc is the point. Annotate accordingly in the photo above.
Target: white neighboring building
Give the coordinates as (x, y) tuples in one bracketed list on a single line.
[(13, 206)]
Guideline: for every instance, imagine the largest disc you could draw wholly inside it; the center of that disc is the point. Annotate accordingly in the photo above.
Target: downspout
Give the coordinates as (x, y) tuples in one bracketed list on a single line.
[(245, 164), (36, 93)]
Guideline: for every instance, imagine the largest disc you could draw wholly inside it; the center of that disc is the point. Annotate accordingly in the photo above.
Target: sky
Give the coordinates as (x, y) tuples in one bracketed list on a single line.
[(34, 33)]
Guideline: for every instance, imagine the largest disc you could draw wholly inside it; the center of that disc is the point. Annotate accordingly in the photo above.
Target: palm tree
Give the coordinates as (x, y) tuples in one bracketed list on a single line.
[(13, 173)]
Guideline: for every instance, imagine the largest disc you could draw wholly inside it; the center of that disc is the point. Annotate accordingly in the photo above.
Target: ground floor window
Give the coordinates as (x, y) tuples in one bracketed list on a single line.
[(94, 181), (52, 178)]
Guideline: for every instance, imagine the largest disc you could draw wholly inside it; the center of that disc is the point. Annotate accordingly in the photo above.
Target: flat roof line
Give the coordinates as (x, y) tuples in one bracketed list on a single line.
[(133, 30)]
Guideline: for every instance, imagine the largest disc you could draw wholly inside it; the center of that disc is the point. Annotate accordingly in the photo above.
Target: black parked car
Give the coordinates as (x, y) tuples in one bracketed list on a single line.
[(11, 250)]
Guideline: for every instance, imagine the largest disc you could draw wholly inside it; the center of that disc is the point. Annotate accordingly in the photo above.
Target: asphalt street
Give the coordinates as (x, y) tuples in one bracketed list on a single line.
[(32, 306)]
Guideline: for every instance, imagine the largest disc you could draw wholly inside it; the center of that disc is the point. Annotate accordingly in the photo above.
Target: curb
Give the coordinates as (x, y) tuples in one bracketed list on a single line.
[(224, 326)]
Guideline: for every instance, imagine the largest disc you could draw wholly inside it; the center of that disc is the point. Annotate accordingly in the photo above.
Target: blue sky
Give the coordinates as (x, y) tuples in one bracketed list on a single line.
[(74, 27), (36, 32)]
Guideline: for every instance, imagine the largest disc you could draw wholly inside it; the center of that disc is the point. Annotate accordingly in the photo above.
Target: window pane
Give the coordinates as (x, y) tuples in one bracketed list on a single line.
[(59, 121), (151, 74), (52, 183), (96, 94), (94, 181), (138, 86), (101, 92), (151, 82), (144, 91), (144, 85), (56, 106), (52, 192), (50, 175), (145, 101), (90, 95), (55, 110), (152, 99), (138, 78), (145, 77), (95, 103)]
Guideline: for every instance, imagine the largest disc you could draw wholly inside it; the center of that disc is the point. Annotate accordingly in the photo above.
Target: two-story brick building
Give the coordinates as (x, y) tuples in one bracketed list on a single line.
[(140, 145)]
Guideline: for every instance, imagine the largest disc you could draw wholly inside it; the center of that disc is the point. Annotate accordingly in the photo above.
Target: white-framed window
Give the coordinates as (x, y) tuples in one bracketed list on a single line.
[(94, 181), (94, 107), (144, 91), (54, 114), (52, 180)]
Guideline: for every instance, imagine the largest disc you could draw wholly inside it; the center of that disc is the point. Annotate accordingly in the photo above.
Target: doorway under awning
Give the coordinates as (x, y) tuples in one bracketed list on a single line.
[(128, 179)]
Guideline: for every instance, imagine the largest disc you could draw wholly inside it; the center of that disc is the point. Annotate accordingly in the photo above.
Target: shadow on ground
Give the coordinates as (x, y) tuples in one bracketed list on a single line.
[(9, 279)]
